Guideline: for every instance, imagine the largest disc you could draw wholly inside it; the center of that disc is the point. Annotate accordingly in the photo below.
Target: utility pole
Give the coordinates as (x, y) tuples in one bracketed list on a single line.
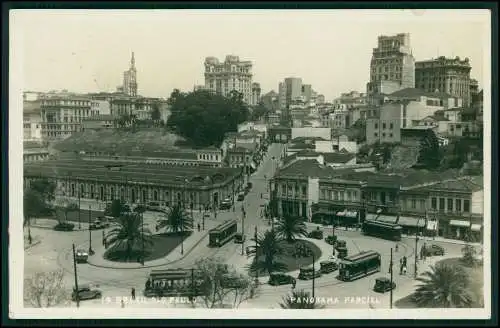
[(79, 206), (416, 246), (256, 257), (243, 233), (142, 224), (333, 234), (91, 251), (314, 275), (193, 292), (77, 296), (391, 266)]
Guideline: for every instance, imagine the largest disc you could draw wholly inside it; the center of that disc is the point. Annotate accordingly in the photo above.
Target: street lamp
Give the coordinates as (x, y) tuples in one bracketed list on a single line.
[(91, 251), (243, 233), (79, 206), (256, 257), (416, 246), (77, 296), (391, 268), (314, 274), (142, 227)]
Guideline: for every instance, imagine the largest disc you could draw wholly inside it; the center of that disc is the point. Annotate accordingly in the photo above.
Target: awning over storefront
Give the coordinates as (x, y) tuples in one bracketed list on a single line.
[(349, 214), (432, 225), (411, 221), (383, 218), (475, 227), (460, 223)]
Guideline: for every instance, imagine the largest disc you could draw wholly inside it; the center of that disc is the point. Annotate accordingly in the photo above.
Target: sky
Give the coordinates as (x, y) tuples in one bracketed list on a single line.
[(88, 50)]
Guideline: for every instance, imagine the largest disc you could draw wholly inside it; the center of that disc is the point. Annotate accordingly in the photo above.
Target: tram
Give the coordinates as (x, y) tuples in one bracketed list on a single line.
[(385, 230), (223, 233), (174, 282), (359, 265)]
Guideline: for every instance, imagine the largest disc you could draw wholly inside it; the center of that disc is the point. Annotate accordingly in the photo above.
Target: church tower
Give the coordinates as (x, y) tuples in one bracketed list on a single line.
[(130, 79)]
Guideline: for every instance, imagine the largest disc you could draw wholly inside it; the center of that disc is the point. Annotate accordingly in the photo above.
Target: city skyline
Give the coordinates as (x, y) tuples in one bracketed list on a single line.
[(92, 54)]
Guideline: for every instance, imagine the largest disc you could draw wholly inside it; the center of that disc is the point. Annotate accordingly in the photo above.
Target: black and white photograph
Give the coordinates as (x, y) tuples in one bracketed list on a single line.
[(217, 164)]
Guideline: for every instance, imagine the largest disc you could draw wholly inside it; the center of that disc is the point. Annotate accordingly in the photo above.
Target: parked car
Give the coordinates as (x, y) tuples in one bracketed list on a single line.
[(383, 285), (241, 196), (332, 239), (316, 234), (81, 256), (341, 252), (307, 273), (340, 244), (85, 292), (433, 250), (277, 279), (154, 206), (225, 205), (64, 226), (328, 266), (99, 223), (239, 238)]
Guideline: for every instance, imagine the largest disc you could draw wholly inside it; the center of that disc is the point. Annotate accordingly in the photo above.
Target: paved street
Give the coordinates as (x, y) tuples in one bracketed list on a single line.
[(55, 251)]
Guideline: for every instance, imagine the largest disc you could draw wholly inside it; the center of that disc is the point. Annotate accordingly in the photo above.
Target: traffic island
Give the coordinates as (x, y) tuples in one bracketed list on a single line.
[(162, 245), (295, 255)]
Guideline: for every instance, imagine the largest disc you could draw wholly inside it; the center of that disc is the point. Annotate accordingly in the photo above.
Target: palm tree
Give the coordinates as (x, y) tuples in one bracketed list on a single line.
[(290, 227), (443, 286), (268, 252), (176, 219), (128, 232), (299, 300)]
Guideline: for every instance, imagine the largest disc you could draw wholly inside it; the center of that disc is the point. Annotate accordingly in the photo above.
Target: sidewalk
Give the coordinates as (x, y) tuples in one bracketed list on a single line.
[(35, 240), (48, 223), (190, 243)]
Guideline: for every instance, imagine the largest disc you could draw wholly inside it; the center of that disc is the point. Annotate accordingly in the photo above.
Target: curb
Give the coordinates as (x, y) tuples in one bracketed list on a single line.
[(32, 245), (154, 265)]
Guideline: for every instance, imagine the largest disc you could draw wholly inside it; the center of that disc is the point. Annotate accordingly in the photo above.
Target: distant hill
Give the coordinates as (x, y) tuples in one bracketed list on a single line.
[(118, 141)]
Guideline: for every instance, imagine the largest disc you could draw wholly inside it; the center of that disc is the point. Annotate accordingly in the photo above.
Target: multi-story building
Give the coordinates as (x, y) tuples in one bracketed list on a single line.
[(255, 93), (404, 108), (353, 99), (447, 75), (63, 114), (271, 101), (392, 65), (282, 96), (474, 89), (232, 74), (137, 183), (32, 120), (99, 122), (320, 99), (129, 86), (307, 92)]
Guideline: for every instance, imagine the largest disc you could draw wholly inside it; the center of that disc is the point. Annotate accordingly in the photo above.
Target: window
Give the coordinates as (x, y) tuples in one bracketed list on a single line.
[(422, 204), (323, 194), (441, 204), (348, 195), (450, 204), (354, 195), (390, 135), (376, 125), (72, 190), (335, 195), (391, 126), (466, 206), (375, 134), (331, 194), (383, 126), (413, 203), (383, 134), (458, 205)]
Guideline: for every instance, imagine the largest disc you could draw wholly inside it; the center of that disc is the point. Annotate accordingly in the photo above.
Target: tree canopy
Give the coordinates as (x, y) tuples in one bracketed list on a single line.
[(203, 118)]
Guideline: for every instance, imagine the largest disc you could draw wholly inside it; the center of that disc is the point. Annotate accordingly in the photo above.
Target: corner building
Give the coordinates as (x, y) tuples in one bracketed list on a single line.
[(232, 74)]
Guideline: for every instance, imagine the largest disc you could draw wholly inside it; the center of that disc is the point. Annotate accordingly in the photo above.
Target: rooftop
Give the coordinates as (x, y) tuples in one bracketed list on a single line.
[(310, 168), (437, 118), (465, 185), (195, 176), (413, 92)]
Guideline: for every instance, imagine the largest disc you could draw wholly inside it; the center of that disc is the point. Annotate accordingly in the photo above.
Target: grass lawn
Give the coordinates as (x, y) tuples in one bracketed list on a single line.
[(291, 262), (163, 244), (476, 285)]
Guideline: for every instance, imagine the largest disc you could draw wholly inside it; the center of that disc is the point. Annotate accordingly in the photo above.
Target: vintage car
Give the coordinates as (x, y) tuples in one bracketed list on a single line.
[(81, 256), (277, 279), (383, 285), (85, 292), (307, 273), (433, 250)]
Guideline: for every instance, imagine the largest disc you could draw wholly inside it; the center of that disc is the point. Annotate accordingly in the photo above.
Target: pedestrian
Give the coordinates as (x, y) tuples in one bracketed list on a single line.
[(293, 284), (123, 303), (400, 268), (397, 245), (199, 227), (404, 269), (133, 293), (404, 260)]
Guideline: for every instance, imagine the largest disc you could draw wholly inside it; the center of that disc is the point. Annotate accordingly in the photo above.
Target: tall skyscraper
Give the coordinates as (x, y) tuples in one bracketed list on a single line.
[(293, 86), (392, 67), (130, 79), (450, 75), (255, 93), (232, 74)]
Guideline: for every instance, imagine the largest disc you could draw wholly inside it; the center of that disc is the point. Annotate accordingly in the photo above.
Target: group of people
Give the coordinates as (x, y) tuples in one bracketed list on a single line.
[(402, 266)]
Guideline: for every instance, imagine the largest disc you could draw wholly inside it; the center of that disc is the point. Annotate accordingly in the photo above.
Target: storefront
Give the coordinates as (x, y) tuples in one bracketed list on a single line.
[(458, 229), (412, 225), (476, 232), (431, 228)]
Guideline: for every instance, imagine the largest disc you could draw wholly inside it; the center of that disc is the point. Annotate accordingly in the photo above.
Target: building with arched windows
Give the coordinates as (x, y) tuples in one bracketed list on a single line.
[(137, 183)]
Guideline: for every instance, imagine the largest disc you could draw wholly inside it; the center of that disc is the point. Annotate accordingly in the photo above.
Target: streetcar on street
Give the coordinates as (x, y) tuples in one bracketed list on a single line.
[(174, 282), (359, 265), (385, 230), (223, 233)]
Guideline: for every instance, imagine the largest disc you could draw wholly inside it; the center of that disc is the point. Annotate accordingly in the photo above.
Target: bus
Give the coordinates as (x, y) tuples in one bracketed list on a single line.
[(223, 233), (359, 265), (386, 230), (174, 282)]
